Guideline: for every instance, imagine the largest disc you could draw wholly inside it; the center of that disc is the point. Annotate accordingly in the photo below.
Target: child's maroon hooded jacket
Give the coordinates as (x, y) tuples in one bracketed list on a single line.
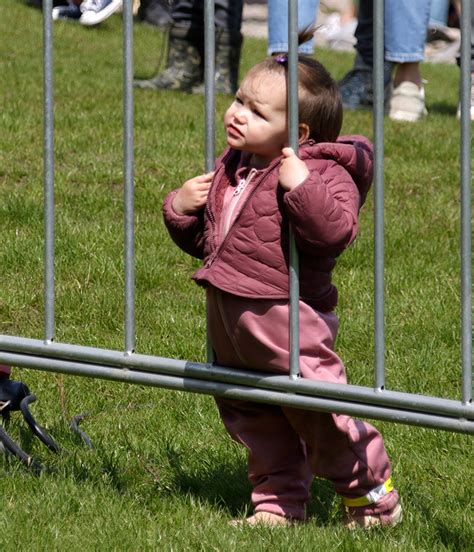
[(253, 258)]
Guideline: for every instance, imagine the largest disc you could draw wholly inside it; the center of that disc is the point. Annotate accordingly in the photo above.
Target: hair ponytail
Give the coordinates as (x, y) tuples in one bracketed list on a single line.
[(306, 34)]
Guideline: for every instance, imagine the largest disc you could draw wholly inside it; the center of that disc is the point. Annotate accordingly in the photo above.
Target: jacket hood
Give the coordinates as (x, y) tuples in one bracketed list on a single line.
[(354, 153)]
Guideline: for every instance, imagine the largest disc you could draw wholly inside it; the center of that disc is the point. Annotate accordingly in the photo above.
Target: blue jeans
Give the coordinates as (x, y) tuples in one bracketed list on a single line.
[(406, 22), (439, 12), (278, 24)]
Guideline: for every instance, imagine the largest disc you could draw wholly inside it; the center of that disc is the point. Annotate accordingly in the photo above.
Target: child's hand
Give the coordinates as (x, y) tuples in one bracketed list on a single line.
[(292, 170), (192, 195)]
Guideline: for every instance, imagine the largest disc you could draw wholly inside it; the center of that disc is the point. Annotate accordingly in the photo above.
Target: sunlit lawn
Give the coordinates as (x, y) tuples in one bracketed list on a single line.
[(163, 474)]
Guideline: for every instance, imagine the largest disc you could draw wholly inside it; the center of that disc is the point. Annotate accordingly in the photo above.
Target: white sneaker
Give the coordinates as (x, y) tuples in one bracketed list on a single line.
[(96, 11), (407, 103)]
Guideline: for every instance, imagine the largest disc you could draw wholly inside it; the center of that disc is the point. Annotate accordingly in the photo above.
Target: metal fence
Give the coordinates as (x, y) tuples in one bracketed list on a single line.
[(128, 366)]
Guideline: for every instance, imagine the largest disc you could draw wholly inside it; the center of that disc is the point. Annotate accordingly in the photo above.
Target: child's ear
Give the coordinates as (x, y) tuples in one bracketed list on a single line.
[(303, 132)]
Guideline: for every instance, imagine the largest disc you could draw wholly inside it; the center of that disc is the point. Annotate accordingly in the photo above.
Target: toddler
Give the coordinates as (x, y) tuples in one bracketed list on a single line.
[(237, 219)]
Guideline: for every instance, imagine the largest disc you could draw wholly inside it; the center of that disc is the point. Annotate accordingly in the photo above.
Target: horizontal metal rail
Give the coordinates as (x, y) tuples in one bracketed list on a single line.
[(407, 408), (208, 378)]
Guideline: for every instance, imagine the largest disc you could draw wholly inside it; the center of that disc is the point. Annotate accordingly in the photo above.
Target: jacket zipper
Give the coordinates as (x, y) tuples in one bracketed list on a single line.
[(213, 256), (236, 197), (212, 220)]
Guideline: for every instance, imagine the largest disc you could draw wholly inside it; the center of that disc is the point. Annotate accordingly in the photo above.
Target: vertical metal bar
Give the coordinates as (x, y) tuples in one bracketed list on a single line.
[(209, 115), (209, 78), (293, 141), (129, 195), (379, 262), (466, 225), (48, 161)]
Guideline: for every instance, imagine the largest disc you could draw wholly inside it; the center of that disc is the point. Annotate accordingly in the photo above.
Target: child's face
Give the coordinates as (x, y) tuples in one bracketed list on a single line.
[(256, 121)]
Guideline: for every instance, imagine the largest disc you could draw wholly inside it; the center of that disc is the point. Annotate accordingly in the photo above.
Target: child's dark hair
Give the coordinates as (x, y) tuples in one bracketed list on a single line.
[(320, 104)]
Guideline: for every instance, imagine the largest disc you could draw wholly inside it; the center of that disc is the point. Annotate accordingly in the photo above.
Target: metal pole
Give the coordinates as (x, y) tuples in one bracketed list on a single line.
[(209, 83), (379, 262), (214, 372), (48, 161), (239, 392), (293, 141), (466, 225), (210, 109), (129, 193)]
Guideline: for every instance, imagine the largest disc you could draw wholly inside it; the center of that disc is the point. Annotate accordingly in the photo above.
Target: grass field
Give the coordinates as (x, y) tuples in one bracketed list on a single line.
[(163, 474)]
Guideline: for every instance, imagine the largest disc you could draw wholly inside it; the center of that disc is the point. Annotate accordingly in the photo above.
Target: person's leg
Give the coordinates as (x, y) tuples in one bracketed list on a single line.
[(187, 11), (439, 13), (458, 57), (277, 464), (278, 24), (458, 61), (364, 35), (228, 16), (183, 68), (155, 12), (185, 64), (438, 29), (356, 86), (228, 20), (67, 12), (406, 23), (350, 453), (472, 37)]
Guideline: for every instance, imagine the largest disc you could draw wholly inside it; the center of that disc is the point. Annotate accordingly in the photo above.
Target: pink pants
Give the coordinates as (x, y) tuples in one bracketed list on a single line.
[(288, 446), (4, 370)]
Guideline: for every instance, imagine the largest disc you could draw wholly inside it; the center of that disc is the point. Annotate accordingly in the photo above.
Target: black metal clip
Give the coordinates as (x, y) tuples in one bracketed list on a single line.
[(15, 395)]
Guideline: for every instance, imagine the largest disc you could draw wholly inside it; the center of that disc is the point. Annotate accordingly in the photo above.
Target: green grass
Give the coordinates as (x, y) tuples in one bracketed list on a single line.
[(163, 474)]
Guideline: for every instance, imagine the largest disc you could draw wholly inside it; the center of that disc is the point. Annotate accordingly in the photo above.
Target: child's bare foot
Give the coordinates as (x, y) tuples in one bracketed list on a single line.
[(390, 518), (262, 518)]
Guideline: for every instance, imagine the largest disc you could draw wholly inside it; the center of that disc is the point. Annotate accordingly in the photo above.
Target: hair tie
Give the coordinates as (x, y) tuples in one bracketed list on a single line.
[(281, 58)]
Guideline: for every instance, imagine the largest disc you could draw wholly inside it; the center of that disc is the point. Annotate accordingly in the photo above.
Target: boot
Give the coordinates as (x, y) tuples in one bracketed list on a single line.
[(155, 12), (184, 64), (227, 61)]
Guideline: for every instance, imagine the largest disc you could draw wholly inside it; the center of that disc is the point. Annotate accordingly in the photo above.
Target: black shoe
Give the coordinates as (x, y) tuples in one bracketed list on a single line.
[(71, 12), (356, 87), (156, 12), (227, 62), (184, 65)]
